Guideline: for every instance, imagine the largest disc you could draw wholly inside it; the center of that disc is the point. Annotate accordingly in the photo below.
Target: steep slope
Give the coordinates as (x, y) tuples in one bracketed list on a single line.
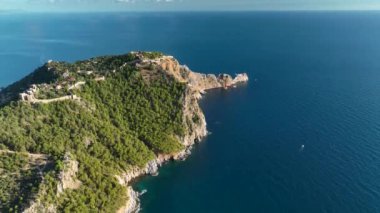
[(103, 122)]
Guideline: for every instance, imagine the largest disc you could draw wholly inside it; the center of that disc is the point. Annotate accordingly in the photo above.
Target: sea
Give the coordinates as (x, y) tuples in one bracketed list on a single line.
[(302, 136)]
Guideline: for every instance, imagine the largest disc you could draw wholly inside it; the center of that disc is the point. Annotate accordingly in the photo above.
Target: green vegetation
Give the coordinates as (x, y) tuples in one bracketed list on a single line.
[(152, 55), (39, 76), (118, 123), (196, 118), (19, 180)]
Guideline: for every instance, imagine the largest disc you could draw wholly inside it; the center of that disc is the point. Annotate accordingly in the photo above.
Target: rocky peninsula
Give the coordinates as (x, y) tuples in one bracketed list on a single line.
[(103, 122), (197, 83)]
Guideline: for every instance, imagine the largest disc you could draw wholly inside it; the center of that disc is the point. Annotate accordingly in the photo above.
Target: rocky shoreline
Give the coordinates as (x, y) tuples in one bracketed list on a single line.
[(194, 122), (197, 84)]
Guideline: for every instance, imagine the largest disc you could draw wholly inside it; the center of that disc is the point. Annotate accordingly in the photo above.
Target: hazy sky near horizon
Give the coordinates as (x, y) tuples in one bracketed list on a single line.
[(180, 5)]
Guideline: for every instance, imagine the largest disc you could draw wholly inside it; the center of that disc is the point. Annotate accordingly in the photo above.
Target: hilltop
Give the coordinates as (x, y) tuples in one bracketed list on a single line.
[(95, 125)]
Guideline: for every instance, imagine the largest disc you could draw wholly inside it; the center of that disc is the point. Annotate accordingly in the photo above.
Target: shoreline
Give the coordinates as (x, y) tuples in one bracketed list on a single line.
[(133, 204), (184, 122), (194, 119)]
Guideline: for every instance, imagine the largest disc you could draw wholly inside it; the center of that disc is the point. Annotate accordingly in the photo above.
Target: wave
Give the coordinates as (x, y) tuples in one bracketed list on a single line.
[(143, 192)]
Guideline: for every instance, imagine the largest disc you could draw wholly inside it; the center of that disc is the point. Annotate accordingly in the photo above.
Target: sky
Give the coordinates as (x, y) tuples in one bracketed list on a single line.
[(185, 5)]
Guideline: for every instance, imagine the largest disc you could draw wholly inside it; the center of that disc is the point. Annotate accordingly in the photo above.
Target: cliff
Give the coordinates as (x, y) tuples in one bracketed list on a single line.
[(193, 117), (104, 121)]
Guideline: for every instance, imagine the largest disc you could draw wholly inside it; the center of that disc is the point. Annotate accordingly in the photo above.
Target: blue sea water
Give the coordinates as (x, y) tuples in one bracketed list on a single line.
[(315, 81)]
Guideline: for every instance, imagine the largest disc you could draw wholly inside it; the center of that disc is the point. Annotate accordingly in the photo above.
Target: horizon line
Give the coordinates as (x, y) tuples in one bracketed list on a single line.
[(188, 11)]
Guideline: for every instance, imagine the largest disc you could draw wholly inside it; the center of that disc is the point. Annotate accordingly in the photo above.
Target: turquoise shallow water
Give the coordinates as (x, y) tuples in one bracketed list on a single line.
[(315, 81)]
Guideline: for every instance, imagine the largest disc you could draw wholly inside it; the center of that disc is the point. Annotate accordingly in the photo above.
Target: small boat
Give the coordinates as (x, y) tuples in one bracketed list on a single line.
[(302, 147)]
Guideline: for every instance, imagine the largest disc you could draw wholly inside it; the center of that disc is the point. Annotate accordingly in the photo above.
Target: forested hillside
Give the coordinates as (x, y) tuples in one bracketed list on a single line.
[(119, 120)]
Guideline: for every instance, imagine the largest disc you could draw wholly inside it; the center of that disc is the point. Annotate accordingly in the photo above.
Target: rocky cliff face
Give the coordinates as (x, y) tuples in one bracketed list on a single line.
[(195, 81), (193, 117), (193, 120), (67, 177)]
